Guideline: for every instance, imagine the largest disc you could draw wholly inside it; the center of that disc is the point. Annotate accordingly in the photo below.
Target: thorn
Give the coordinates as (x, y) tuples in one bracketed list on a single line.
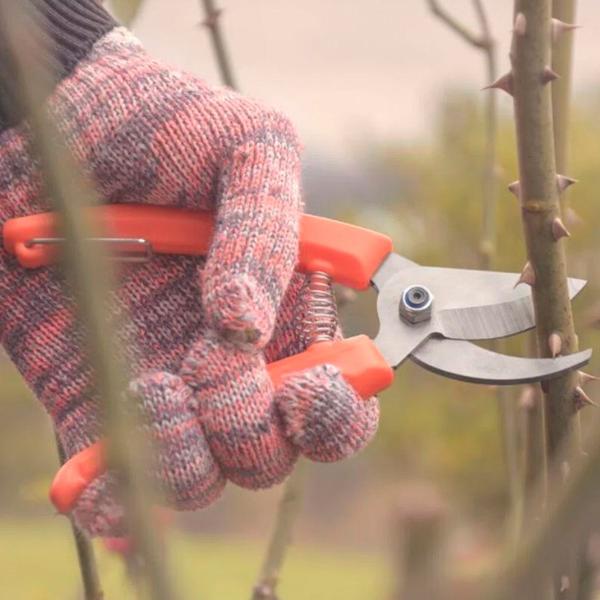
[(527, 275), (565, 583), (515, 188), (581, 399), (549, 75), (520, 24), (585, 378), (504, 83), (555, 343), (560, 27), (559, 230), (563, 182)]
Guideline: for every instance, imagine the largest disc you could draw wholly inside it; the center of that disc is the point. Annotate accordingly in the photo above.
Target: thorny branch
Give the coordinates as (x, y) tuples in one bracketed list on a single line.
[(538, 190)]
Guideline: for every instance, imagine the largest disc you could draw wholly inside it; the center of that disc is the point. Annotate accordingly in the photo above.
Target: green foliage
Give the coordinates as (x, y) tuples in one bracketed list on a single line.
[(126, 10), (210, 569)]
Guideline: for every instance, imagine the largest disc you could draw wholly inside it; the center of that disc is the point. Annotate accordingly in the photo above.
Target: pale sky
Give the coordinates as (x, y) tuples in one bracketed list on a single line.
[(344, 70)]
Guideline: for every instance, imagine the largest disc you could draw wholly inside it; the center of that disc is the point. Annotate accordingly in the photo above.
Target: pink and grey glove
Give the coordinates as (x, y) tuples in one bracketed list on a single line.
[(199, 331)]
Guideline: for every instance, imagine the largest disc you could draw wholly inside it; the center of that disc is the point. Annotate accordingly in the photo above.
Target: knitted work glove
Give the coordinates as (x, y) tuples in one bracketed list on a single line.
[(198, 330)]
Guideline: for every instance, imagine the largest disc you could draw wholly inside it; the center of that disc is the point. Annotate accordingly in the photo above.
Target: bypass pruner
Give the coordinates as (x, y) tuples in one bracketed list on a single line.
[(431, 315)]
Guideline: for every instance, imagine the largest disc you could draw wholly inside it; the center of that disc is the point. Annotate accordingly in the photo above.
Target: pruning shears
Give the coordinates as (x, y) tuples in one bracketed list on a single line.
[(431, 315)]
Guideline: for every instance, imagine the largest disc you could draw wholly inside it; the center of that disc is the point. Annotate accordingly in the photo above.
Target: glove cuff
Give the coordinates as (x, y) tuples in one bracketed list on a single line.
[(63, 33)]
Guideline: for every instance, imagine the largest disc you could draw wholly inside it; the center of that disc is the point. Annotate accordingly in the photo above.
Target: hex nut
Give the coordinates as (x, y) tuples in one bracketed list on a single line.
[(416, 303)]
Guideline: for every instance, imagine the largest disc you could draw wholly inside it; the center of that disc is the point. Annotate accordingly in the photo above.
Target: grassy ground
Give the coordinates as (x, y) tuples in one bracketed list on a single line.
[(38, 563)]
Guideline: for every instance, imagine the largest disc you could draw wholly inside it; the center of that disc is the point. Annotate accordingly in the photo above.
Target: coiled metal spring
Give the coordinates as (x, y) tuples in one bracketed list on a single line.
[(321, 318)]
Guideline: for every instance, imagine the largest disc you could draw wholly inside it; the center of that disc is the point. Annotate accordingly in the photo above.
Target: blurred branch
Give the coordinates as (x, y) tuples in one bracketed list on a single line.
[(90, 281), (490, 177), (289, 505), (573, 511), (212, 22), (509, 415), (287, 512), (562, 59), (579, 569), (92, 589), (479, 41)]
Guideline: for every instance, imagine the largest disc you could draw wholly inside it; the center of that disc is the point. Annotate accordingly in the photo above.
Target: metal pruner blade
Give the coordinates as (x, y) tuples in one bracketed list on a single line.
[(432, 315), (459, 359)]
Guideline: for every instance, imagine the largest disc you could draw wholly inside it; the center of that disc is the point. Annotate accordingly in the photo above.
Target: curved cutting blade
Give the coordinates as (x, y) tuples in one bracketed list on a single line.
[(467, 305), (459, 359)]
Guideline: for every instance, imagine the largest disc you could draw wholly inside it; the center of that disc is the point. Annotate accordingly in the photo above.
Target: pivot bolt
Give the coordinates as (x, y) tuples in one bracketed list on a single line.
[(415, 305)]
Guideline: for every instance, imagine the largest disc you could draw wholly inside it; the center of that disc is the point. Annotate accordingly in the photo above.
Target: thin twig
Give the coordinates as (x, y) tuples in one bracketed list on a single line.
[(289, 505), (287, 512), (92, 589), (562, 59), (90, 281), (562, 63), (479, 41), (212, 22), (507, 408), (490, 187)]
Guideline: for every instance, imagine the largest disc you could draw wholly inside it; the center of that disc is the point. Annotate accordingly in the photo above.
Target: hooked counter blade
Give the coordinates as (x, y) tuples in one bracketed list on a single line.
[(459, 359)]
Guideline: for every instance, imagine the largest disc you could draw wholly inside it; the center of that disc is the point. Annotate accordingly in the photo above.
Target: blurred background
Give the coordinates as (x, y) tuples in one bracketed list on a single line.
[(388, 103)]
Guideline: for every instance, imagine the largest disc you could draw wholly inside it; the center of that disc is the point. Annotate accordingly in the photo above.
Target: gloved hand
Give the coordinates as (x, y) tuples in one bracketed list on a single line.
[(198, 331)]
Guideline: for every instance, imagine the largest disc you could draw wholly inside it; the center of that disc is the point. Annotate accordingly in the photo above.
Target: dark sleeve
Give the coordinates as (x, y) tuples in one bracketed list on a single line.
[(62, 34)]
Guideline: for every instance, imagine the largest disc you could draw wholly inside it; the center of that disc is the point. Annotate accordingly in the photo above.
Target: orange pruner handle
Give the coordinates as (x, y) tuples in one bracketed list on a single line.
[(358, 358), (348, 253)]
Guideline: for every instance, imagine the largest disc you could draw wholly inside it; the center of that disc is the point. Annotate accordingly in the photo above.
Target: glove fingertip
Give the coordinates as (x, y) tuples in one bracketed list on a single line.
[(325, 417), (240, 311)]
